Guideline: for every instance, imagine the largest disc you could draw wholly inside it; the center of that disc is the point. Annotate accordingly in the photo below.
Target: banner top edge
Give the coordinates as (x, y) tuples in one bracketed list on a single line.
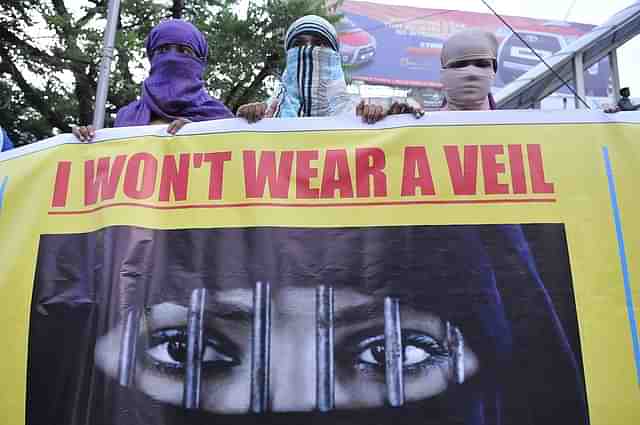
[(284, 125)]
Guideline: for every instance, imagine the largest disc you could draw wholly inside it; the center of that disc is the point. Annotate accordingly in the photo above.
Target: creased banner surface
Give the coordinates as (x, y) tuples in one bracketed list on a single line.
[(466, 268)]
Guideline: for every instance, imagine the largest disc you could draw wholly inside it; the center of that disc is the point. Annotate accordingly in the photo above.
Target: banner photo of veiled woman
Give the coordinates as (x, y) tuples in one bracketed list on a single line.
[(467, 268), (404, 325)]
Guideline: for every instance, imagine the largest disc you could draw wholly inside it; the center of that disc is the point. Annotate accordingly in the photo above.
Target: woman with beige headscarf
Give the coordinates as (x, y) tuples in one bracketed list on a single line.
[(468, 70)]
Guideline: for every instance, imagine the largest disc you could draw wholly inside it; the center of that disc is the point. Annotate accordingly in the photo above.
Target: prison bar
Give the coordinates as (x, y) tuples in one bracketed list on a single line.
[(458, 355), (260, 347), (455, 347), (128, 343), (449, 344), (393, 352), (325, 369), (195, 349)]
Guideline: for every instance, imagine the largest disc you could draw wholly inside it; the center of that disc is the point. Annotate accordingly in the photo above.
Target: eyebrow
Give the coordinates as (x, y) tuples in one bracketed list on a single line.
[(229, 311), (223, 310), (238, 312), (244, 313), (359, 313)]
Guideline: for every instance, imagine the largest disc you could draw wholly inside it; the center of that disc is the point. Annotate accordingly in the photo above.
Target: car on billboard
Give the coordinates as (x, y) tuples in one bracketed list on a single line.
[(515, 58), (357, 46)]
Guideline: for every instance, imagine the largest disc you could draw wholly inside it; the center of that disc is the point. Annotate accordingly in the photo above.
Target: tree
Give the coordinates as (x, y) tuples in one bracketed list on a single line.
[(52, 80), (245, 52)]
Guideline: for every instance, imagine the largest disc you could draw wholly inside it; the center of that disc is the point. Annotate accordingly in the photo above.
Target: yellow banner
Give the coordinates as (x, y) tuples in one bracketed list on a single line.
[(565, 186)]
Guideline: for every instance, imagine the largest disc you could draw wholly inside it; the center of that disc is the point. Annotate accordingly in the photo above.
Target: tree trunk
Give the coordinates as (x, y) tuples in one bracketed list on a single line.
[(85, 92)]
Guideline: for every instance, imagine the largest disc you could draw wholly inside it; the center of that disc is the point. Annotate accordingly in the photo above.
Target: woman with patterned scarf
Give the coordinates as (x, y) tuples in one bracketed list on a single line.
[(313, 83)]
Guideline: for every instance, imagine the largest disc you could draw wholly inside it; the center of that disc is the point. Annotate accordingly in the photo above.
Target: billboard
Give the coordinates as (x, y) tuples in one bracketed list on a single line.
[(438, 271), (400, 45)]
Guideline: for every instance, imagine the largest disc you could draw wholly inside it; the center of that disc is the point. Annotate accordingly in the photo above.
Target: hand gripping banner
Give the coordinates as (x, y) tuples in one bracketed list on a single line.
[(465, 268)]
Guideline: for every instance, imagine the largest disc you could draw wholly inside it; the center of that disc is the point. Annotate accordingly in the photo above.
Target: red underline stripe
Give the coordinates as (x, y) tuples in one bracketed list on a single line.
[(308, 205)]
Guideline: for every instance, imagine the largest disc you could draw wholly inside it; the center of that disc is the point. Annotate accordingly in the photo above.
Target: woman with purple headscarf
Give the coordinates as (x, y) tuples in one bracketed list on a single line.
[(174, 92)]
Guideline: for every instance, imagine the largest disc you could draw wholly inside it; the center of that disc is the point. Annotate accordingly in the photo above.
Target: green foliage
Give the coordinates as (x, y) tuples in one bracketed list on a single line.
[(18, 118), (48, 84)]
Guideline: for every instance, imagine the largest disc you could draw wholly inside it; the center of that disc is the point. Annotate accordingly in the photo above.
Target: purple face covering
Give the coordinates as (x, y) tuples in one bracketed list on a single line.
[(174, 88)]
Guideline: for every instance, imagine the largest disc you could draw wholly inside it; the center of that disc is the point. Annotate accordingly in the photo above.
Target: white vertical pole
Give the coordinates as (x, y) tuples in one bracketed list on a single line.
[(113, 14), (578, 74), (615, 75)]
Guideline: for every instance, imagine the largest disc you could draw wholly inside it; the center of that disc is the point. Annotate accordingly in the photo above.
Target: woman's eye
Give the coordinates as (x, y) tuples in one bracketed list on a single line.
[(417, 350), (413, 355), (169, 350), (373, 355), (186, 51), (461, 64)]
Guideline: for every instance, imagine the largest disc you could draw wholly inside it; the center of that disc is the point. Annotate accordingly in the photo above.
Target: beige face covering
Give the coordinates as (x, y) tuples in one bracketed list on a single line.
[(468, 88)]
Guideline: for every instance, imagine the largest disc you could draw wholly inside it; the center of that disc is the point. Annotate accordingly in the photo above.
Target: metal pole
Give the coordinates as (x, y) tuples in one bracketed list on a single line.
[(195, 348), (128, 343), (615, 75), (113, 14), (578, 78), (393, 352), (261, 346), (325, 372)]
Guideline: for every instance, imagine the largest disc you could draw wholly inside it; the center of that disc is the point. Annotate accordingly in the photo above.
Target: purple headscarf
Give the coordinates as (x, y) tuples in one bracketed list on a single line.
[(174, 88)]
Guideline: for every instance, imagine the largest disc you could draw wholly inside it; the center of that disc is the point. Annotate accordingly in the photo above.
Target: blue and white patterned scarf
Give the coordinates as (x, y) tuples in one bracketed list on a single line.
[(313, 85)]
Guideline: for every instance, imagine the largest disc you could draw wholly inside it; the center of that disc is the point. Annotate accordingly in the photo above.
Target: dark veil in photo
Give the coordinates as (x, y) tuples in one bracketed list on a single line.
[(484, 279)]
